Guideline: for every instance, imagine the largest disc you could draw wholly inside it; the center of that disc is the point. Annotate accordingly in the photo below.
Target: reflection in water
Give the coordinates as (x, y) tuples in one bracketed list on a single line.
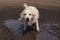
[(47, 32)]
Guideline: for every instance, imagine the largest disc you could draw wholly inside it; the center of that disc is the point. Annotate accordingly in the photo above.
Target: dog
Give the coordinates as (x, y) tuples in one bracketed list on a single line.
[(31, 15)]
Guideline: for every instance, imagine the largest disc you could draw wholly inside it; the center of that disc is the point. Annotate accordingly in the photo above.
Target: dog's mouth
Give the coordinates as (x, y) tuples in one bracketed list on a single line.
[(27, 20)]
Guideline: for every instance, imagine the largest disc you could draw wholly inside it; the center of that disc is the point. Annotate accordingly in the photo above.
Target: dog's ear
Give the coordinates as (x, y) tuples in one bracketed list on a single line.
[(25, 5)]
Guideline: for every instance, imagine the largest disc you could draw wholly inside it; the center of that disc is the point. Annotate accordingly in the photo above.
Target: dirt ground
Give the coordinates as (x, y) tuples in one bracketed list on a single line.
[(10, 9)]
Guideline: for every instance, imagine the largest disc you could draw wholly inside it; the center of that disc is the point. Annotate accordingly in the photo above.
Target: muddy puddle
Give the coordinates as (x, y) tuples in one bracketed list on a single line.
[(48, 31)]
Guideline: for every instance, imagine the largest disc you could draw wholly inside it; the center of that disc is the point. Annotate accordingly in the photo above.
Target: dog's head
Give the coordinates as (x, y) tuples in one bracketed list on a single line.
[(29, 13)]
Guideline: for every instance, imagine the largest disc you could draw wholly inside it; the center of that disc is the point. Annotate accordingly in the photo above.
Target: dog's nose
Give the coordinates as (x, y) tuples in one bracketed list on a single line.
[(27, 19)]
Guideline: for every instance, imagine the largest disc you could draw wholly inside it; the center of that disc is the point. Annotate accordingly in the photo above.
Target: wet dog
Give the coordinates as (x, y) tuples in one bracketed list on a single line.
[(31, 15)]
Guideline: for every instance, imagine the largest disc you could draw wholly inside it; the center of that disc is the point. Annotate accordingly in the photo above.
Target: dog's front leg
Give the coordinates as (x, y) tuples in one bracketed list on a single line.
[(37, 25)]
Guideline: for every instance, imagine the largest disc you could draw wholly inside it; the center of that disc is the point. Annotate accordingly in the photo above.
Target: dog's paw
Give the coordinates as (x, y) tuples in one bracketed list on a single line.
[(38, 30)]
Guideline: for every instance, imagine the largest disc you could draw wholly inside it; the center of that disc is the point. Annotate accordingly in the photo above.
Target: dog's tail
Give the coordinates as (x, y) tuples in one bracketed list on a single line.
[(25, 5)]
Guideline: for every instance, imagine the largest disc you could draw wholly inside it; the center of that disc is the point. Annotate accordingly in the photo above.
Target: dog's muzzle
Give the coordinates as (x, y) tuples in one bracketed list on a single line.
[(27, 19)]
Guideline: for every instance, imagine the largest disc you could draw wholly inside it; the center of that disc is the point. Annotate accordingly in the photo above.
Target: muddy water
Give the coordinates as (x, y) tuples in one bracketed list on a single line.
[(49, 25)]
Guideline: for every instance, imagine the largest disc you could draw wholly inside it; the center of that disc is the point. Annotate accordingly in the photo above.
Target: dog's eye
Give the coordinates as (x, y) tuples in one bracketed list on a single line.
[(24, 14), (29, 14)]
